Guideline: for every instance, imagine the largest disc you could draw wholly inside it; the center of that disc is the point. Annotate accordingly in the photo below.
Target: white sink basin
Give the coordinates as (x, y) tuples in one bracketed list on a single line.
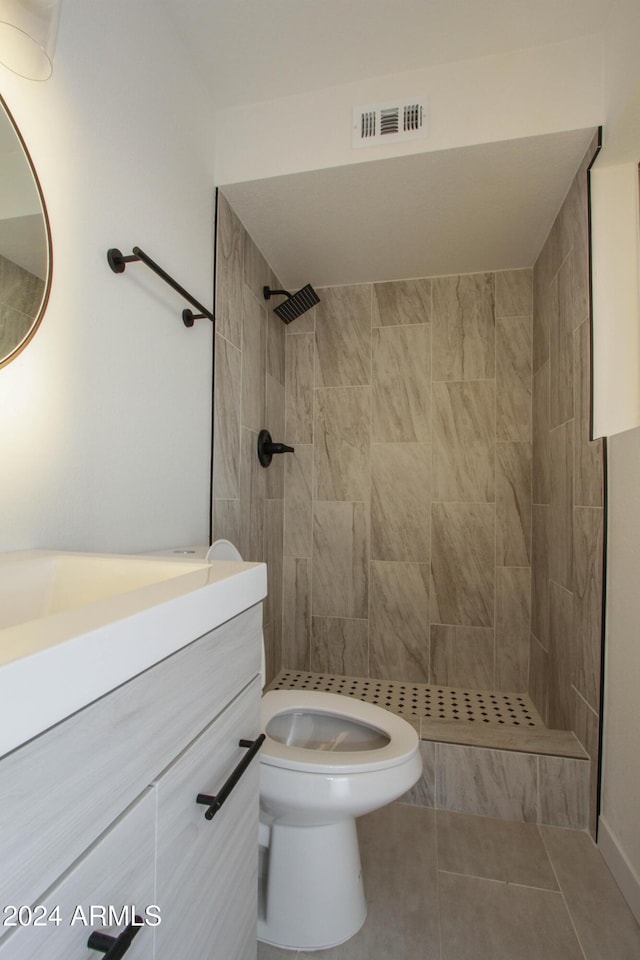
[(74, 626)]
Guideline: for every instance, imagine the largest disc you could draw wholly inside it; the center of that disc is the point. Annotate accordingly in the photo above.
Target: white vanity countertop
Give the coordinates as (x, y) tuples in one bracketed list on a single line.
[(111, 618)]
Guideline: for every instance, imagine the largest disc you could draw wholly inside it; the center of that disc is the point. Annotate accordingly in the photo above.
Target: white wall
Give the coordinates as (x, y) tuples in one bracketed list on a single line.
[(105, 417), (501, 97)]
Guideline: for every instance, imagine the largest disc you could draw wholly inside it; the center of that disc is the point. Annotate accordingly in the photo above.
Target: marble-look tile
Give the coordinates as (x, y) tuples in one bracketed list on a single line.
[(561, 541), (274, 422), (562, 657), (343, 336), (487, 920), (257, 272), (588, 558), (574, 219), (462, 656), (589, 454), (513, 379), (401, 383), (273, 525), (563, 787), (251, 544), (541, 534), (513, 504), (340, 646), (254, 335), (423, 793), (491, 783), (541, 310), (587, 729), (541, 450), (272, 658), (276, 337), (493, 736), (342, 427), (226, 520), (340, 559), (463, 327), (514, 293), (573, 288), (401, 302), (494, 849), (539, 677), (400, 497), (297, 502), (561, 354), (513, 615), (603, 921), (226, 434), (229, 272), (399, 621), (464, 433), (296, 613), (463, 564), (299, 388)]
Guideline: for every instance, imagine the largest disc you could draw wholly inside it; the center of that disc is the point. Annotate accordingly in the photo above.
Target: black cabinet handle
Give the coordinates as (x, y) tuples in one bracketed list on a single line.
[(215, 802), (114, 947)]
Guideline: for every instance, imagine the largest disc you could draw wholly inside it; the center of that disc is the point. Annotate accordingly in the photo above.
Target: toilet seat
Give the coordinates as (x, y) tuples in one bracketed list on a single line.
[(401, 738)]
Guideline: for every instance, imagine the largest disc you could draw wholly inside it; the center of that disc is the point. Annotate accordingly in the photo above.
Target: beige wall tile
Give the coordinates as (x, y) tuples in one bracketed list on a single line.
[(226, 457), (423, 794), (513, 615), (539, 678), (541, 533), (513, 504), (340, 646), (257, 272), (226, 520), (462, 656), (299, 388), (541, 451), (463, 327), (562, 658), (561, 541), (342, 428), (229, 273), (274, 422), (276, 330), (491, 783), (464, 441), (298, 512), (401, 302), (514, 293), (400, 497), (589, 454), (340, 560), (252, 483), (564, 792), (296, 613), (587, 730), (588, 547), (541, 310), (254, 334), (399, 621), (273, 557), (401, 383), (343, 336), (561, 352), (513, 379), (463, 564)]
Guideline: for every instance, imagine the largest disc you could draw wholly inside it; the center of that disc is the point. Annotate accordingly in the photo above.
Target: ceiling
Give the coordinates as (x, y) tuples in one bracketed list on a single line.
[(476, 208)]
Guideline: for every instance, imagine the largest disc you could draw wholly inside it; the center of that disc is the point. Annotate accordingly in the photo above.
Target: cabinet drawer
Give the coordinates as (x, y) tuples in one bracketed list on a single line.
[(207, 869), (63, 789), (118, 871)]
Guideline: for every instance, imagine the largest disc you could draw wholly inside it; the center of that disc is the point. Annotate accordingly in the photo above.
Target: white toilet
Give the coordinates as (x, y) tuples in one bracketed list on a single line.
[(326, 759)]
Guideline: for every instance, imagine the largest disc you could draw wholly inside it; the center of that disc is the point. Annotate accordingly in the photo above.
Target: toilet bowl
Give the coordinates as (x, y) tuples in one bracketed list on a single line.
[(326, 759)]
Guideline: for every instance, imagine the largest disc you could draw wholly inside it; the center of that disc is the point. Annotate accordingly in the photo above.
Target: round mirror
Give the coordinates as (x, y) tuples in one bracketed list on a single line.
[(25, 243)]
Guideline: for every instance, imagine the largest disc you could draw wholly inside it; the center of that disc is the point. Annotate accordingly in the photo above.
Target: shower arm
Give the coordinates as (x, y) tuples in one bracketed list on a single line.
[(268, 293), (118, 262)]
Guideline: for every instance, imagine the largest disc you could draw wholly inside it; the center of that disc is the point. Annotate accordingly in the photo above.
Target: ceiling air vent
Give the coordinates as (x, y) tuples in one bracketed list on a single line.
[(386, 122)]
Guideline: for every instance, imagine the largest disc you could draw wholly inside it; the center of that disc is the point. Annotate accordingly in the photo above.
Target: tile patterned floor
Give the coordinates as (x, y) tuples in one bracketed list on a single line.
[(450, 886)]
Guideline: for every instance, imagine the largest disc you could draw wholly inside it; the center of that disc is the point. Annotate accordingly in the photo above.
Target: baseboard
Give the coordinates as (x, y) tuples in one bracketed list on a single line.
[(623, 871)]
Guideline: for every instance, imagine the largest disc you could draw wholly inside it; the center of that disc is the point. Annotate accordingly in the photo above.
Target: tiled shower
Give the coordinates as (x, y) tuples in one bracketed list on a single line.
[(441, 520)]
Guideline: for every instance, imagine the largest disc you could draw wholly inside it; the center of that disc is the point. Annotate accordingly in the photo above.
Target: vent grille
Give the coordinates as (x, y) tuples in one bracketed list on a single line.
[(405, 120)]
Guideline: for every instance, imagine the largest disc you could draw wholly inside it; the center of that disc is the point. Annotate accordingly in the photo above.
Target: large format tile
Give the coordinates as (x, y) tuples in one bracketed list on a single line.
[(340, 646), (541, 534), (539, 677), (401, 302), (462, 656), (562, 657), (561, 354), (513, 379), (254, 338), (401, 383), (343, 336), (494, 849), (226, 433), (492, 783), (587, 730), (513, 504), (400, 497), (296, 613), (588, 558), (229, 273), (589, 454), (273, 524), (488, 920), (563, 789), (513, 614), (274, 422), (464, 327), (423, 793), (257, 272), (252, 483), (226, 520), (276, 336), (463, 564), (342, 427), (340, 559), (297, 501), (605, 925), (299, 388), (541, 486), (464, 435), (399, 621), (561, 542), (514, 293)]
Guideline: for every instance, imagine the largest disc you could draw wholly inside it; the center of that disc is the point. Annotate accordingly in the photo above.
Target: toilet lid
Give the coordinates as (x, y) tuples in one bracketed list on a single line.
[(330, 733)]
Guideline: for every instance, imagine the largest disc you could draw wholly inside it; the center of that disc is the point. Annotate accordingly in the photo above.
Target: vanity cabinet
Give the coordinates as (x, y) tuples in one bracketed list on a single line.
[(101, 810)]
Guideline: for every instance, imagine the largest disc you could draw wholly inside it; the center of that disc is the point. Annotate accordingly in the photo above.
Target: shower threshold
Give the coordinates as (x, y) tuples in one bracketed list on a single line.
[(482, 718)]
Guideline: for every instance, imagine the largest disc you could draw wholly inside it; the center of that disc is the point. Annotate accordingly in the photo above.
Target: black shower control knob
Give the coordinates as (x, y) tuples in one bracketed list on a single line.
[(267, 448)]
